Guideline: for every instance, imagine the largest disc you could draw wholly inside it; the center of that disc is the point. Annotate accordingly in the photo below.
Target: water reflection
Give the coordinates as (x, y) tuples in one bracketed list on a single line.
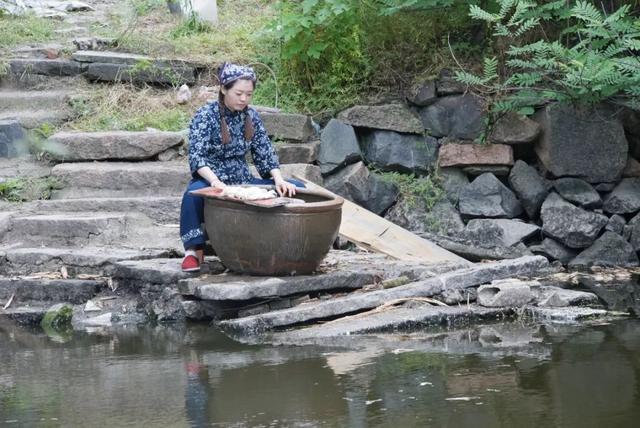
[(495, 375)]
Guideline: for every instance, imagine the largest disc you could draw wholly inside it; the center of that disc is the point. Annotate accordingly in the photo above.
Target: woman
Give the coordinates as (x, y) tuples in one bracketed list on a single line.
[(220, 135)]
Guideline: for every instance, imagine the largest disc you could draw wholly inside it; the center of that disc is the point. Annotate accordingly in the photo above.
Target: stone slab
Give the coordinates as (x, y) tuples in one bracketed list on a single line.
[(291, 170), (87, 260), (289, 153), (14, 100), (513, 128), (124, 58), (401, 318), (47, 67), (26, 166), (121, 179), (288, 126), (566, 315), (31, 119), (458, 279), (163, 209), (583, 143), (392, 117), (237, 287), (24, 315), (74, 291), (165, 271), (454, 154), (110, 145), (67, 229), (153, 74)]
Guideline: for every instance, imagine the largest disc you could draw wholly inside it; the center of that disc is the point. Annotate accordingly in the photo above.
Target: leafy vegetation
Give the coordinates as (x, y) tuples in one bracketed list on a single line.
[(417, 190), (336, 52), (28, 188), (591, 58)]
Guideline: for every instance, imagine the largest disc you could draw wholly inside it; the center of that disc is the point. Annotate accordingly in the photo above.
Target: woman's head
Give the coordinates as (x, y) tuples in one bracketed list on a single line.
[(237, 95), (237, 83)]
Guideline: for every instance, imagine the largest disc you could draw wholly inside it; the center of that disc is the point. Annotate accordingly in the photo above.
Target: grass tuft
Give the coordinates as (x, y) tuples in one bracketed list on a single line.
[(17, 30), (123, 107)]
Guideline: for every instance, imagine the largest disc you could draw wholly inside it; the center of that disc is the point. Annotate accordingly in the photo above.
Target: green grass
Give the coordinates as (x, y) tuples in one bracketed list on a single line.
[(24, 189), (154, 31), (15, 31), (123, 107), (417, 190)]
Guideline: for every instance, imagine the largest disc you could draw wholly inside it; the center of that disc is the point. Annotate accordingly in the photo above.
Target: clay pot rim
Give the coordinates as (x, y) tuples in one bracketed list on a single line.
[(332, 202)]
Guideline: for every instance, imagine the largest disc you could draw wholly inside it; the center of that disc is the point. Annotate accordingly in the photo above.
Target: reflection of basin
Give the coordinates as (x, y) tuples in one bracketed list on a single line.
[(285, 240)]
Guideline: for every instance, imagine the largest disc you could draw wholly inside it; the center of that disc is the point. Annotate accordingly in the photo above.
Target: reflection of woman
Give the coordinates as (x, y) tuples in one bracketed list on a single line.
[(196, 395), (220, 135)]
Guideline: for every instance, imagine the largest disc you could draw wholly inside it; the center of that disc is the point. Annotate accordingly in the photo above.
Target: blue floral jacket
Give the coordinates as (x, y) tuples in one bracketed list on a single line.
[(228, 160)]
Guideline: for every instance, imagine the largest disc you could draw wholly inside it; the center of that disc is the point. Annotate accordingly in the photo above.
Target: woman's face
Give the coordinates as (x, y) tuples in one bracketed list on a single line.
[(239, 95)]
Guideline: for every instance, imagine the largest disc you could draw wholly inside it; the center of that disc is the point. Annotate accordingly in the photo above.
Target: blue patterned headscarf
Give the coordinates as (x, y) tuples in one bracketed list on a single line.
[(232, 72)]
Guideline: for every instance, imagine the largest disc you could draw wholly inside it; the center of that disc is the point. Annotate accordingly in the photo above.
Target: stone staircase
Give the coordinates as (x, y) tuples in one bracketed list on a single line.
[(32, 109), (113, 222), (118, 203)]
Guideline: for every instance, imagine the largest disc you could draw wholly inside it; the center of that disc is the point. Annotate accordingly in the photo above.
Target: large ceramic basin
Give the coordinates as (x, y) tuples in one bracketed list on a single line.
[(285, 240)]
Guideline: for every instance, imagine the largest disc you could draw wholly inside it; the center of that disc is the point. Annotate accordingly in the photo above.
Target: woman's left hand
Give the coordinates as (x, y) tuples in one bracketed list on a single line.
[(284, 188)]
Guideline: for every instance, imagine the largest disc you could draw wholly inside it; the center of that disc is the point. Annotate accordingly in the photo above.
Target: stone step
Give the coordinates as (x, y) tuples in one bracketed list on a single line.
[(292, 153), (48, 67), (108, 57), (242, 287), (165, 272), (147, 73), (84, 260), (25, 315), (37, 51), (340, 306), (90, 229), (67, 229), (118, 66), (395, 319), (164, 209), (111, 145), (30, 119), (121, 179), (39, 100), (287, 126), (25, 289), (304, 170)]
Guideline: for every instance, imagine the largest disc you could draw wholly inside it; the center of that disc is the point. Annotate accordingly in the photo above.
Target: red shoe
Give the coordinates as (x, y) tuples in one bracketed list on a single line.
[(190, 263)]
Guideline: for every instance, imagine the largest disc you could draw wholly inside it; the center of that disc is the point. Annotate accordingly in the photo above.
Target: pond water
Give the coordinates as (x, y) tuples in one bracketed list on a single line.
[(506, 375)]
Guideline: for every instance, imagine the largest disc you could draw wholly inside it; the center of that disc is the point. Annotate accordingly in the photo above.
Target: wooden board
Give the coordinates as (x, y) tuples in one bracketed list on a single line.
[(374, 233), (264, 203)]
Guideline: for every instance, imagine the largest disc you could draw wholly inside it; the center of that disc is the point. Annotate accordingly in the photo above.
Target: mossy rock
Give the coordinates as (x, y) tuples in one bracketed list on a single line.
[(58, 317)]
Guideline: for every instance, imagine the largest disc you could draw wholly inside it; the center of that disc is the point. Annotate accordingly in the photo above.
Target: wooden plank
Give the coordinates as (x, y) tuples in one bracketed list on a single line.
[(374, 233)]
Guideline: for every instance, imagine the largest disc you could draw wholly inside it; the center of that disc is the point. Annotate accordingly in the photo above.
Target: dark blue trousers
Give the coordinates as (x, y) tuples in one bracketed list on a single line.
[(192, 212)]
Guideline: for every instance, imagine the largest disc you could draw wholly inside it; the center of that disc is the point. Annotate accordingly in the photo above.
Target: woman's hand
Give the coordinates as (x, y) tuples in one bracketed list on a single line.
[(284, 188), (217, 184)]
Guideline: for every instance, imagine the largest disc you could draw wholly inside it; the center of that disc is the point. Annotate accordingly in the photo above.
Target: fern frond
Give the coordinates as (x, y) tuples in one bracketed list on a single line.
[(628, 64), (526, 26), (525, 79), (505, 7), (632, 44), (490, 69), (476, 12), (617, 15), (468, 78), (522, 7), (587, 12), (520, 63)]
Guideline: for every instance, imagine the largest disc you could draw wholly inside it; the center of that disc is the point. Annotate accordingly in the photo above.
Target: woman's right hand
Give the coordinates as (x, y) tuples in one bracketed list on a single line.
[(217, 184)]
